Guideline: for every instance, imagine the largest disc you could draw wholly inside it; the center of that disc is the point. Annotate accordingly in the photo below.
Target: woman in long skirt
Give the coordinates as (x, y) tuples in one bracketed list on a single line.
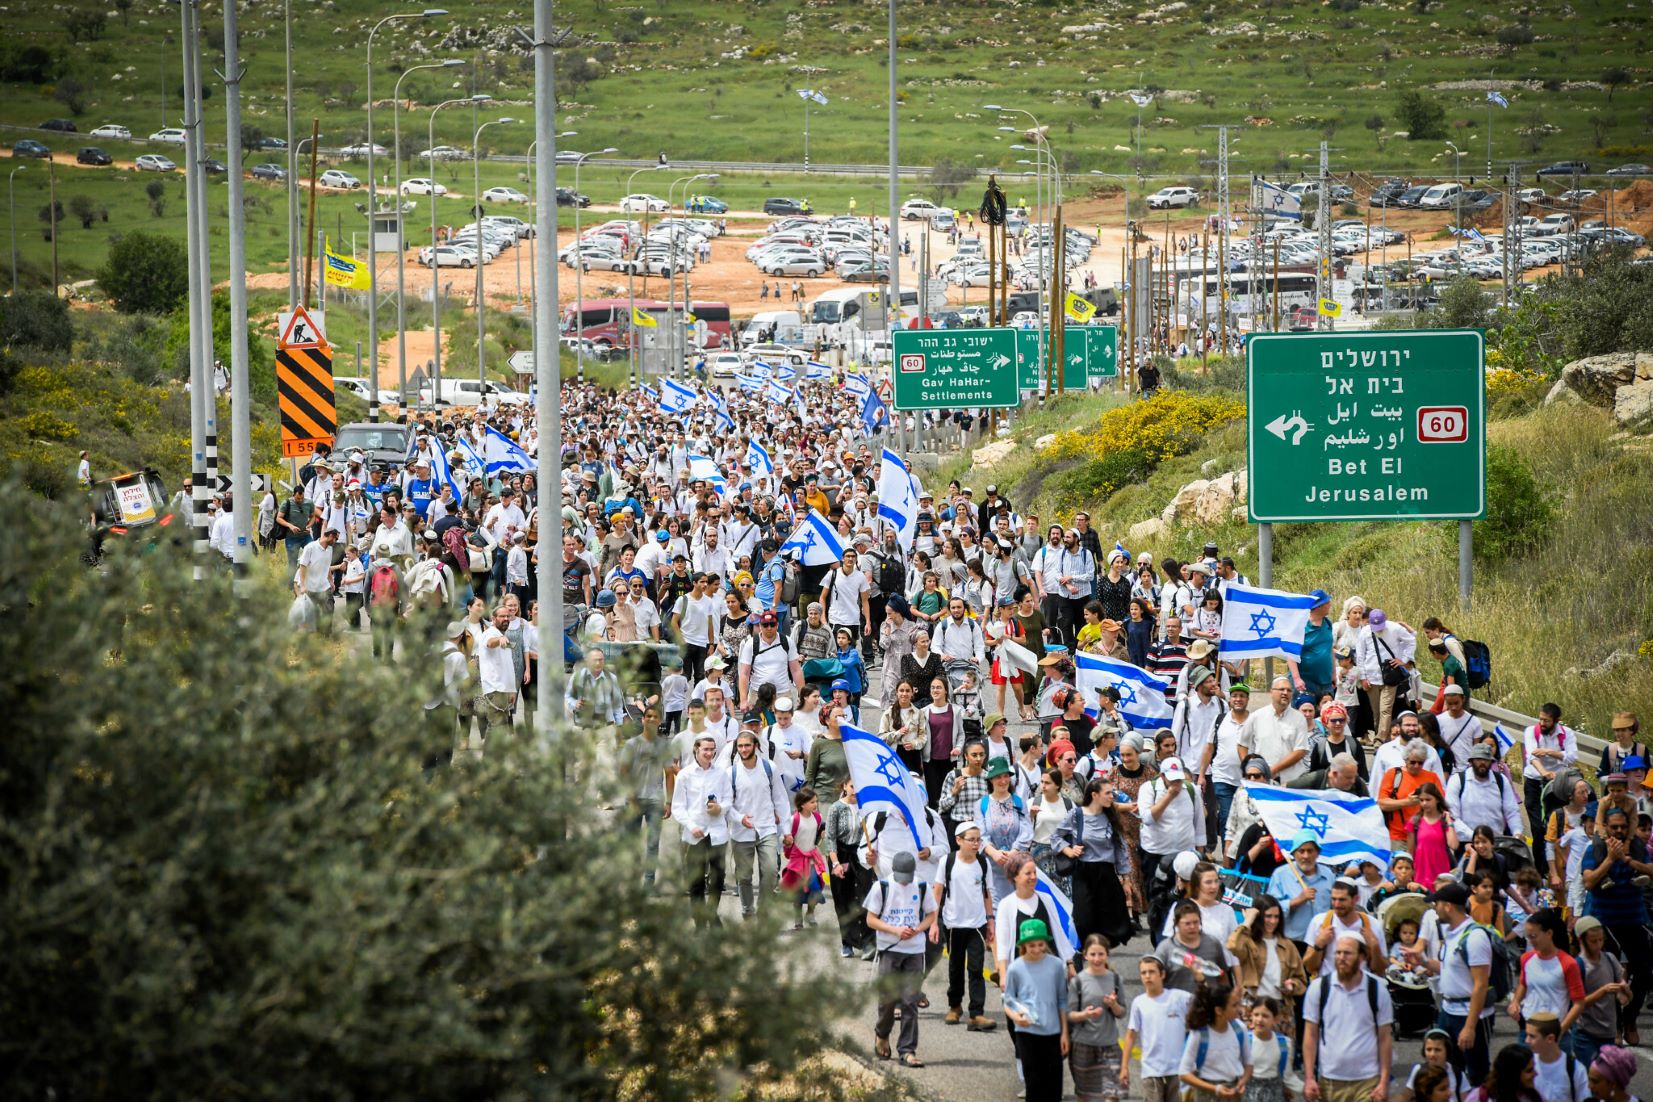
[(1093, 836)]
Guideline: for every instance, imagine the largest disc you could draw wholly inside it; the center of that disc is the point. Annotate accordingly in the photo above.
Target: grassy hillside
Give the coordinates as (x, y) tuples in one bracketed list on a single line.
[(1576, 590), (718, 82)]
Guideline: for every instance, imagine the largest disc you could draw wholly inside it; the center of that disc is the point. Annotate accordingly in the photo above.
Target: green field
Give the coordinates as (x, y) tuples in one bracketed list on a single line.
[(666, 77)]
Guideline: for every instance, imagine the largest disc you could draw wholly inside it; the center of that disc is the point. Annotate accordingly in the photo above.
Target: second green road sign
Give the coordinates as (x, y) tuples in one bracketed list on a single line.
[(1366, 426), (1091, 353), (954, 368)]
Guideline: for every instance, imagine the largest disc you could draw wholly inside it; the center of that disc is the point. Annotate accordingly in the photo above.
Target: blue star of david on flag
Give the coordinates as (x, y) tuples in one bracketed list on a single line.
[(1127, 695), (1347, 828), (882, 783), (891, 769), (1317, 821), (1263, 623), (816, 543), (1141, 695)]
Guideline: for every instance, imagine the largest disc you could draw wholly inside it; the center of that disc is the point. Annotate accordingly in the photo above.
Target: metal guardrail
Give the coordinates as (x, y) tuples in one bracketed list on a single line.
[(1516, 719)]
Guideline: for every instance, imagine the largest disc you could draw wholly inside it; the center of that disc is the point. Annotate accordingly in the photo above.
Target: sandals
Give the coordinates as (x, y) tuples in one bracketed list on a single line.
[(909, 1060), (881, 1047)]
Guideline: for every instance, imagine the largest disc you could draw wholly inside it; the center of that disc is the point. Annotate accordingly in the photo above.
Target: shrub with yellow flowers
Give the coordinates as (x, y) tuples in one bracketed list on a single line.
[(1168, 424)]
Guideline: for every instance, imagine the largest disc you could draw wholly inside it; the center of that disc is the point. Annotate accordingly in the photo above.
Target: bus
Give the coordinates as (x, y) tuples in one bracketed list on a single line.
[(603, 321), (1197, 290)]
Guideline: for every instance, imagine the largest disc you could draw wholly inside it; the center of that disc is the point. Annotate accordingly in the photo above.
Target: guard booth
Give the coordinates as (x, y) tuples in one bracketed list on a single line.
[(386, 228)]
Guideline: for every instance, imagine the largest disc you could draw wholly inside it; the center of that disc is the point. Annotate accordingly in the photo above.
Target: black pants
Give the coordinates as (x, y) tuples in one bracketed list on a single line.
[(694, 662), (965, 948), (1041, 1057), (1099, 903), (848, 891), (1633, 947), (703, 866), (875, 620), (1161, 891), (1532, 795), (442, 723), (935, 774)]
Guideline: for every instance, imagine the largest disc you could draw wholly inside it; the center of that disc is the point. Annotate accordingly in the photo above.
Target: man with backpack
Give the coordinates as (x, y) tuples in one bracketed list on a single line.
[(1481, 796), (1465, 963), (1612, 865), (965, 926), (1348, 1031), (758, 805), (900, 913), (1547, 747)]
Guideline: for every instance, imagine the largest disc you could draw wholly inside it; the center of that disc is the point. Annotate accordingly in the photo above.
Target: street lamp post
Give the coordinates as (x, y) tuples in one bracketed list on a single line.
[(579, 270), (677, 346), (1458, 199), (292, 165), (533, 206), (11, 200), (373, 206), (633, 352), (1042, 143), (434, 266), (401, 238), (481, 311)]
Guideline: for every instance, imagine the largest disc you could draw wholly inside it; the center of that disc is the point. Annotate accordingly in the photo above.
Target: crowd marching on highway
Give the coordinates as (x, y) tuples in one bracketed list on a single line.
[(1016, 745)]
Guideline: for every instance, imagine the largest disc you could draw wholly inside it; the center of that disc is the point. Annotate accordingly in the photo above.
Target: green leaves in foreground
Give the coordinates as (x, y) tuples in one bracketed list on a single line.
[(222, 875)]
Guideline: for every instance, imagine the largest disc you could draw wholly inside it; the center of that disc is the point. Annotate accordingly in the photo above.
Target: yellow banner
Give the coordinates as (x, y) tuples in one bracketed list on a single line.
[(1079, 309), (345, 271), (642, 320), (1329, 309)]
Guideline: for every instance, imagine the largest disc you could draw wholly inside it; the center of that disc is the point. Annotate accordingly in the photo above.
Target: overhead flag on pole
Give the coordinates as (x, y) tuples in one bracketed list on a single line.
[(642, 320), (815, 372), (1494, 97), (345, 271), (1079, 309), (1141, 695), (873, 413), (898, 498), (675, 397), (1348, 828), (816, 542), (1263, 623), (504, 454)]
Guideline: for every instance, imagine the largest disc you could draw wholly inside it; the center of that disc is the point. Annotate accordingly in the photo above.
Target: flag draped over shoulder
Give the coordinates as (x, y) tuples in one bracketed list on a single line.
[(883, 783)]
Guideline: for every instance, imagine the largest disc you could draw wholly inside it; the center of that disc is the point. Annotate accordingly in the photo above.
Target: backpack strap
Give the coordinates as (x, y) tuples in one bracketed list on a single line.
[(1203, 1048)]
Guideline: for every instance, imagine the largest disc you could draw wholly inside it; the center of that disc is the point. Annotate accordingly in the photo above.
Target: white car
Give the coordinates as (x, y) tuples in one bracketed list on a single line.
[(447, 256), (112, 130), (361, 149), (337, 177), (918, 210), (1167, 197), (173, 134), (603, 262), (503, 195), (514, 226), (422, 185), (651, 204), (724, 365), (797, 264), (154, 162), (442, 153)]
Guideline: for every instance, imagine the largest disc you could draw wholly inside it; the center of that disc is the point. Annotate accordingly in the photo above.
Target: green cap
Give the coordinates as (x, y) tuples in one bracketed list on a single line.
[(997, 767), (1032, 929), (1240, 687)]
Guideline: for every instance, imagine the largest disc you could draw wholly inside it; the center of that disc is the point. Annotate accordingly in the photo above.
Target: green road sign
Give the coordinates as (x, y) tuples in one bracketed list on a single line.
[(955, 368), (1366, 426), (1091, 353)]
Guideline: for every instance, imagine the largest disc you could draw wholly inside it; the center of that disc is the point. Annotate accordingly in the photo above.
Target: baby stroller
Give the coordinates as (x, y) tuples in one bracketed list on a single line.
[(1409, 989)]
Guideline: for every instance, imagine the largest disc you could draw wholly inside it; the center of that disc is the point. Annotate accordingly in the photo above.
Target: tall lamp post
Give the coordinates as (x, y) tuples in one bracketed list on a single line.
[(1458, 199), (1043, 144), (11, 199), (533, 208), (435, 267), (579, 270), (481, 312), (373, 206), (634, 353), (677, 345), (401, 251)]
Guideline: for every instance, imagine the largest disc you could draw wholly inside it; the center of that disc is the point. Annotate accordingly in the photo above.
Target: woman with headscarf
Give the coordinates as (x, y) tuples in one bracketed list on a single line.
[(1133, 771), (896, 637), (1006, 828)]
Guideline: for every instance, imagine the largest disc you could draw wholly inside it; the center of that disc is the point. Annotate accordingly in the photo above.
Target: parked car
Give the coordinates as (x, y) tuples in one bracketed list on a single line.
[(213, 168), (515, 226), (706, 204), (568, 197), (92, 155), (1553, 224), (1167, 197), (361, 149), (780, 205), (796, 264), (918, 210), (1566, 168), (503, 195), (273, 142), (1532, 195), (1411, 197), (269, 170), (447, 256), (641, 201), (154, 162), (1574, 196), (1385, 194), (422, 185), (724, 365), (28, 147), (864, 272), (112, 131), (443, 153), (339, 178), (172, 135), (1630, 170), (62, 126)]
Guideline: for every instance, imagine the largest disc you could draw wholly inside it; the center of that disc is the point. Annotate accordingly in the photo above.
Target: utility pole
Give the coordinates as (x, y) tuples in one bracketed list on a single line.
[(893, 314), (547, 367), (241, 460), (200, 305), (1323, 227), (292, 167), (1222, 236)]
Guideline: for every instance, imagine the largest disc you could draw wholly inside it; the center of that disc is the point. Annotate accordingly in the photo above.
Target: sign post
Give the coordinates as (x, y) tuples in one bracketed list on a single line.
[(1368, 426), (304, 386), (954, 369)]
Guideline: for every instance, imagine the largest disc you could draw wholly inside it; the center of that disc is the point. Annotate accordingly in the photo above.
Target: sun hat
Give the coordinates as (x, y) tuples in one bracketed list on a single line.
[(1032, 929)]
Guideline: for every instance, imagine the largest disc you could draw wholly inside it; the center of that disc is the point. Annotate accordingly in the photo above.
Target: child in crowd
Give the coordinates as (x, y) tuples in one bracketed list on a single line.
[(1523, 897), (1216, 1056), (1439, 1048), (1272, 1077), (1572, 848), (967, 699), (674, 697), (1406, 940), (1158, 1021), (1347, 678), (1094, 1010), (804, 871)]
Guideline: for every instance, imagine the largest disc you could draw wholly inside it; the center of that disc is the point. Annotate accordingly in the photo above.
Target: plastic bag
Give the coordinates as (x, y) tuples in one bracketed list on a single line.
[(302, 615)]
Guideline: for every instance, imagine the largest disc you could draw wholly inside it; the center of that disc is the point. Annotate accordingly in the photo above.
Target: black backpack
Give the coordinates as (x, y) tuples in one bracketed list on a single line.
[(892, 575), (1477, 662), (1501, 971)]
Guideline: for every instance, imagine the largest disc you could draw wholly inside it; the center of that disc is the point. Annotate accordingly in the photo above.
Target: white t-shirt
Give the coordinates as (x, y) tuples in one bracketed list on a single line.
[(771, 662), (844, 595), (1552, 1084), (963, 907), (1358, 928), (495, 665), (1457, 984), (906, 906), (1160, 1022), (698, 615), (1224, 1062), (1217, 920), (317, 561), (1225, 760), (1348, 1047), (1273, 737)]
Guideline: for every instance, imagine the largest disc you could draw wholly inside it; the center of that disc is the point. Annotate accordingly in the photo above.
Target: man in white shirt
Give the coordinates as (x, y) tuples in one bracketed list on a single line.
[(711, 558), (1278, 734), (1547, 747), (767, 658), (693, 621), (699, 802), (900, 913), (1348, 1030), (497, 671), (1480, 796), (958, 638), (1462, 959), (1383, 645), (1344, 919), (844, 596), (962, 890), (1195, 722), (1459, 726), (1560, 1076), (757, 809), (1173, 820), (315, 578), (787, 744), (222, 537)]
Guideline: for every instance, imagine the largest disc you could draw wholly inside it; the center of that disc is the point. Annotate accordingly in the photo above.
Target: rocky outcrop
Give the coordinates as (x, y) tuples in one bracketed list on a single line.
[(1621, 382), (1208, 501), (1146, 533), (989, 455)]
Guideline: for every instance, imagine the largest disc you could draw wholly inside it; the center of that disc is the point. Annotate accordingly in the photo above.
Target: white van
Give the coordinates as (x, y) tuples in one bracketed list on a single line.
[(1440, 197), (788, 328), (467, 392)]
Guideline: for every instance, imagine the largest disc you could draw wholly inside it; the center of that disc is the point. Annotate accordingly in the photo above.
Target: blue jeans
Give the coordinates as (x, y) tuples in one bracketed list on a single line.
[(295, 547), (648, 814), (1225, 800), (1581, 1046), (1478, 1058)]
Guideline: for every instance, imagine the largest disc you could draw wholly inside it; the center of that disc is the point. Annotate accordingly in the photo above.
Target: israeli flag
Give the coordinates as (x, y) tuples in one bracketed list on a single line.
[(703, 469), (780, 395), (873, 413), (714, 398), (504, 454), (817, 544), (1140, 100), (1260, 623), (473, 461), (1275, 201), (758, 458), (725, 422), (1117, 546), (857, 386), (1506, 741), (1495, 97), (815, 372), (675, 397), (749, 383), (1348, 828), (883, 783), (654, 395), (898, 498), (761, 370), (1475, 235), (439, 467), (1141, 695), (1060, 908), (786, 373)]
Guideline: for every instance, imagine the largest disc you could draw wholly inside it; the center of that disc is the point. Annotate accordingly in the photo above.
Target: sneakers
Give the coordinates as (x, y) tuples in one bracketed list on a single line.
[(846, 951), (954, 1016), (980, 1024)]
